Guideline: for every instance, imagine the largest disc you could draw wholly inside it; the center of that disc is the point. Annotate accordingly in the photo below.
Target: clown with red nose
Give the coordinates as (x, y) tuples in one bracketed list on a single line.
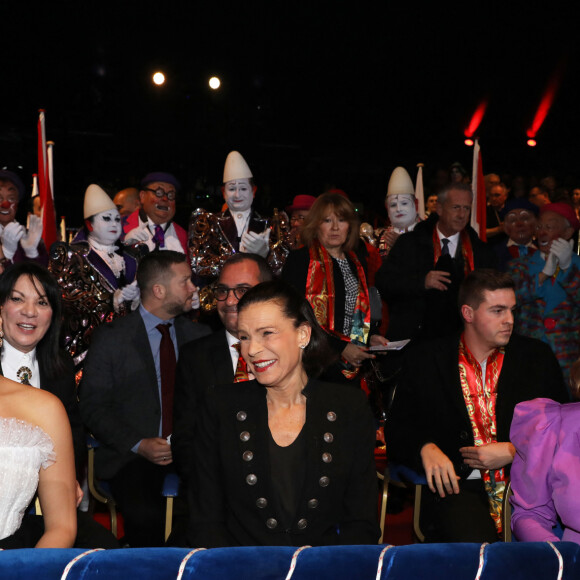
[(18, 243)]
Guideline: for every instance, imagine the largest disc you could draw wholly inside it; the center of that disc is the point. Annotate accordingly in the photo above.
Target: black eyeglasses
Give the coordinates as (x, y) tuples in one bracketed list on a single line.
[(222, 292), (160, 193)]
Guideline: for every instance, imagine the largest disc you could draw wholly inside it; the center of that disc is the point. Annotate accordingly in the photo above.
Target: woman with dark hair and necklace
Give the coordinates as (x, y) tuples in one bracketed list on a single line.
[(35, 437), (283, 459), (30, 315), (30, 307)]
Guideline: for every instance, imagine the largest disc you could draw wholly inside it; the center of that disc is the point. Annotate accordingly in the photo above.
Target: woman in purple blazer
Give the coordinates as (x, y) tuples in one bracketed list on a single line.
[(545, 473)]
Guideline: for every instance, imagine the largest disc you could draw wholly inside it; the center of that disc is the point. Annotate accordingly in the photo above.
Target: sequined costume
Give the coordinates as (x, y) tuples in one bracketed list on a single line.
[(213, 238), (88, 286)]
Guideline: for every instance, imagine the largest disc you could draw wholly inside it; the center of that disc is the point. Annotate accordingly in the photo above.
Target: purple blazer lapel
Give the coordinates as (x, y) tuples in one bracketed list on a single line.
[(103, 269)]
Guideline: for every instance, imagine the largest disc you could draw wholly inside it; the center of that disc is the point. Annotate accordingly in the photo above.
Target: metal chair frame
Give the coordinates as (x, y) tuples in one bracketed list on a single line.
[(99, 491), (405, 477)]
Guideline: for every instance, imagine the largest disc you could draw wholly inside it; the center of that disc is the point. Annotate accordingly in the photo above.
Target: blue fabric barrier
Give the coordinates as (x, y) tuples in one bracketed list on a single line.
[(512, 561)]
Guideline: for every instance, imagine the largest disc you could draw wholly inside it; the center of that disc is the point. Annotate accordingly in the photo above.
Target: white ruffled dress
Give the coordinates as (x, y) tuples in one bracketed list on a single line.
[(24, 449)]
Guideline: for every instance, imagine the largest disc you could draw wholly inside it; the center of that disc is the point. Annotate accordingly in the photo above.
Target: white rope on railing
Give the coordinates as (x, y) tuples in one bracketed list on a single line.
[(184, 562), (481, 560), (381, 558), (293, 563), (75, 560), (560, 561)]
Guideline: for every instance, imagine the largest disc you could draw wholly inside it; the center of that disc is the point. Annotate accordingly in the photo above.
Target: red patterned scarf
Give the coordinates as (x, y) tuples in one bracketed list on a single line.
[(466, 250), (480, 399), (321, 295)]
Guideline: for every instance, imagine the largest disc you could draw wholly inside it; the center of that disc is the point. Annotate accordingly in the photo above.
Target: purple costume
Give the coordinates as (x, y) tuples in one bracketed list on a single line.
[(545, 472)]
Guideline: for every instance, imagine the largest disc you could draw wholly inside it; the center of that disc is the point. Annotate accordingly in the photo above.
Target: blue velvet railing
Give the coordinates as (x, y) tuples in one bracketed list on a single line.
[(499, 561)]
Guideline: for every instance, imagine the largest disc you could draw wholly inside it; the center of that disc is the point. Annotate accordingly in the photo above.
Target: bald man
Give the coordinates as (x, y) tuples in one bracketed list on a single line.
[(127, 201)]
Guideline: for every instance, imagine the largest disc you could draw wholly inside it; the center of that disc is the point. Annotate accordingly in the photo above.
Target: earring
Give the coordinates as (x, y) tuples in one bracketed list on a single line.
[(303, 346)]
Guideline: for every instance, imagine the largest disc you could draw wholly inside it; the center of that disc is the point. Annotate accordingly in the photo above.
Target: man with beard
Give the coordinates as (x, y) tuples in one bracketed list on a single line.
[(126, 394)]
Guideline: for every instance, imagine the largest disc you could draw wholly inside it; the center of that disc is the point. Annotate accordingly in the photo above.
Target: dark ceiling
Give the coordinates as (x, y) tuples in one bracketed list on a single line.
[(314, 94)]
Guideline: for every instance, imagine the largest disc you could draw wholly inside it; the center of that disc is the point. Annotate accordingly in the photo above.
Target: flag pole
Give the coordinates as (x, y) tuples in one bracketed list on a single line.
[(420, 192), (479, 205), (49, 157)]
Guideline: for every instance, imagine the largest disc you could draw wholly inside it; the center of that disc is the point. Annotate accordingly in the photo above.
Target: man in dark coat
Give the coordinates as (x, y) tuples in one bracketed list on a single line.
[(124, 392), (421, 276), (454, 405)]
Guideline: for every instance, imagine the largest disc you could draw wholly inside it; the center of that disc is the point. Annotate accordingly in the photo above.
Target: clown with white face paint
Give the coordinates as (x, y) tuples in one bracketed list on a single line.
[(400, 204), (215, 237), (96, 273), (239, 191), (17, 243)]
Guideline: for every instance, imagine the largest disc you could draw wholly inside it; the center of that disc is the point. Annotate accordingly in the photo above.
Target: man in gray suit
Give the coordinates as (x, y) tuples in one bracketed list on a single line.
[(127, 390), (212, 360)]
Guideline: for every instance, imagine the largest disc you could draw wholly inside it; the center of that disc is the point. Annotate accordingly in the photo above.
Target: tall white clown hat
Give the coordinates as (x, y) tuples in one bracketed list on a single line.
[(96, 201), (400, 183), (236, 167)]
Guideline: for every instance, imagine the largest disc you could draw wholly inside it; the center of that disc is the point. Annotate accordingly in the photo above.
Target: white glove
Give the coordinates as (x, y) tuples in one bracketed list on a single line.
[(138, 235), (31, 239), (129, 293), (562, 249), (195, 302), (254, 243), (11, 235), (551, 264)]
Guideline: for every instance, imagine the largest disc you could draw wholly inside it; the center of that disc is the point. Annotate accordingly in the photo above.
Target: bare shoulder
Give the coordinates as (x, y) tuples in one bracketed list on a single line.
[(30, 404)]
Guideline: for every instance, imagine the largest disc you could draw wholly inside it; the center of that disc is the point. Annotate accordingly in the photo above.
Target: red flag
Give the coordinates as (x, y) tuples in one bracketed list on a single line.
[(44, 188), (479, 207)]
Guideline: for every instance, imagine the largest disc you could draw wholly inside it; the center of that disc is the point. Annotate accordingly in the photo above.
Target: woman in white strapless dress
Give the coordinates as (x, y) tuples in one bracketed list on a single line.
[(35, 452)]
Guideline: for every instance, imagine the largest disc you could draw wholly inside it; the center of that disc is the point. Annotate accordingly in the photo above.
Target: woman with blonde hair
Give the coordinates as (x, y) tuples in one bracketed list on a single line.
[(331, 271)]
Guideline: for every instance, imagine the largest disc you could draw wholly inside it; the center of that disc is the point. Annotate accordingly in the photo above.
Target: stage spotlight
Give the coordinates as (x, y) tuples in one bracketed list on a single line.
[(469, 142), (158, 78), (532, 142), (214, 83)]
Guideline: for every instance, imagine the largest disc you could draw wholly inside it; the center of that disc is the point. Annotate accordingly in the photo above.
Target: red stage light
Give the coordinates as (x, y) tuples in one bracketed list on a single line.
[(469, 142), (476, 119), (532, 142), (545, 104)]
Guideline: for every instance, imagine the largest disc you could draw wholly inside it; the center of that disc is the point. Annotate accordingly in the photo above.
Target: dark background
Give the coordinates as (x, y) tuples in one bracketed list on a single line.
[(314, 94)]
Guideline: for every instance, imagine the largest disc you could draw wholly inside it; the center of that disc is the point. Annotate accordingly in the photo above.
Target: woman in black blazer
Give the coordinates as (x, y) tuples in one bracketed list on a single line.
[(283, 459)]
